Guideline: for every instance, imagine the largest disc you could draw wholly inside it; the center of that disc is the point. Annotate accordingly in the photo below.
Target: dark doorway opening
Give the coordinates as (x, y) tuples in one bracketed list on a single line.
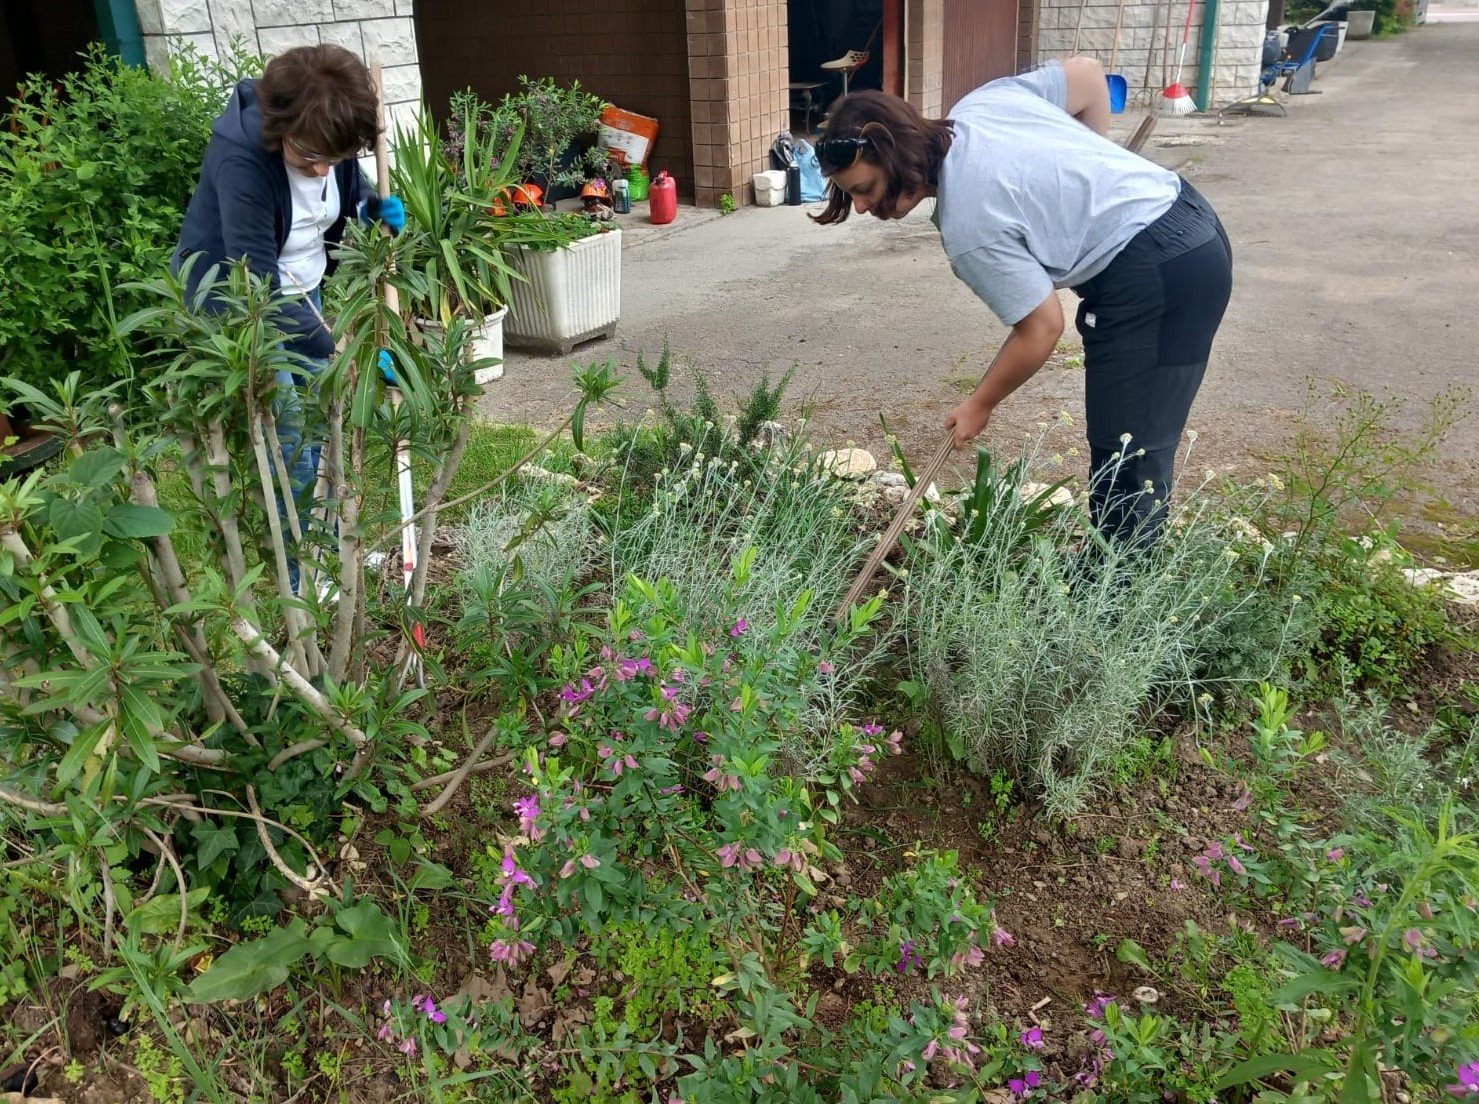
[(824, 30), (42, 38)]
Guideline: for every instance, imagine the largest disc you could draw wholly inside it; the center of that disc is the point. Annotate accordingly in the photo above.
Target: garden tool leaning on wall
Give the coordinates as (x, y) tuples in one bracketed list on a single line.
[(392, 385), (931, 469)]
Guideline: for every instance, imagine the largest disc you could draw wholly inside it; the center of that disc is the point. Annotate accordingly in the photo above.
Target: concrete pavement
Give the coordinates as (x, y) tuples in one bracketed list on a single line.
[(1355, 231)]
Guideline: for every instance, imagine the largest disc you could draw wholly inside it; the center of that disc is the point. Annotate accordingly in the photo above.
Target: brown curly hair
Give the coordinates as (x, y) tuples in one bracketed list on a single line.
[(909, 147), (322, 97)]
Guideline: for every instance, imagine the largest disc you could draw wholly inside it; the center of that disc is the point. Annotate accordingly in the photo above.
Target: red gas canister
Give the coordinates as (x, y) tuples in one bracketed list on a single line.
[(662, 199)]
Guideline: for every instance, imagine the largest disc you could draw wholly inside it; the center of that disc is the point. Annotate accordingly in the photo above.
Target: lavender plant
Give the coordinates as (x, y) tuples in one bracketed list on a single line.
[(799, 523), (1046, 661)]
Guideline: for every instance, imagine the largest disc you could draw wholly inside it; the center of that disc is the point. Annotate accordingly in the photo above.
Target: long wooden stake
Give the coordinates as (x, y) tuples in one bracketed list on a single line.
[(937, 461)]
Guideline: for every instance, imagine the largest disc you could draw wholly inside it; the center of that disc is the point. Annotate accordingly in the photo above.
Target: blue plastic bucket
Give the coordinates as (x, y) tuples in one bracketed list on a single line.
[(1119, 90)]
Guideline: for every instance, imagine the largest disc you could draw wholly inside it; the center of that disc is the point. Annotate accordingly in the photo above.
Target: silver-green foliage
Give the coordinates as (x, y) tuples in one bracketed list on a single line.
[(801, 523), (539, 529), (1044, 660)]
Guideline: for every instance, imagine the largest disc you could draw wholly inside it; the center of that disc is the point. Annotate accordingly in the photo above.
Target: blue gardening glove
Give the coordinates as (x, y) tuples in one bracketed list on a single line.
[(387, 368), (390, 210)]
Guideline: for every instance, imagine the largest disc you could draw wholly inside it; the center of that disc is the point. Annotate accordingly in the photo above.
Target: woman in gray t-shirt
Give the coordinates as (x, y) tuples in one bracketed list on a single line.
[(1032, 197)]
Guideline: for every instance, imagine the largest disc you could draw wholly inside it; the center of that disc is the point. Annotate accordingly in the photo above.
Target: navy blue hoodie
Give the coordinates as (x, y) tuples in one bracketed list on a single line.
[(242, 207)]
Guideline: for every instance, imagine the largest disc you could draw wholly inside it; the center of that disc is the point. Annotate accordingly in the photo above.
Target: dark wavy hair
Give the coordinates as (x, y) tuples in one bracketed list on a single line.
[(320, 96), (909, 147)]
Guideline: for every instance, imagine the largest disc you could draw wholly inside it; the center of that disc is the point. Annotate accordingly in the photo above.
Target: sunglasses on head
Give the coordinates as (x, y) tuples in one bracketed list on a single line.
[(837, 154)]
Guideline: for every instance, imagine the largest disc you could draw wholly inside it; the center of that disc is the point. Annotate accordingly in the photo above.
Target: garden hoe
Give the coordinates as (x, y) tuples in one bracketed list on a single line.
[(402, 445), (937, 461)]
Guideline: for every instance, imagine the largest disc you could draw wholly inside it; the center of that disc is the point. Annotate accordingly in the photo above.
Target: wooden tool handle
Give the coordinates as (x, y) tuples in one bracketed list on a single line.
[(901, 518), (382, 174)]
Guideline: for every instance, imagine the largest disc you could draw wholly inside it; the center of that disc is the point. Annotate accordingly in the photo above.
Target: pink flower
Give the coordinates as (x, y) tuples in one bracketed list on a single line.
[(407, 1046), (739, 628), (1334, 958), (590, 862), (1413, 938), (1235, 865), (510, 953), (1352, 935), (1244, 799), (1001, 937), (729, 854), (1335, 854), (824, 668), (1032, 1038), (1176, 884)]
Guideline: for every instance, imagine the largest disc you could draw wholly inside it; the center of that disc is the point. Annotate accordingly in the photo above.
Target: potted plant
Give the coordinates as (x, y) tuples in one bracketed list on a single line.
[(570, 286), (458, 251)]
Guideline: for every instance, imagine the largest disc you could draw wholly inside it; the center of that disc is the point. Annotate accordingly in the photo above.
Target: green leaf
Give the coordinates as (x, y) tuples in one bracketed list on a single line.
[(371, 935), (211, 842), (430, 875), (1133, 954), (140, 719), (96, 468), (1317, 981), (1304, 1066), (248, 969), (79, 753), (161, 915), (79, 522), (129, 520)]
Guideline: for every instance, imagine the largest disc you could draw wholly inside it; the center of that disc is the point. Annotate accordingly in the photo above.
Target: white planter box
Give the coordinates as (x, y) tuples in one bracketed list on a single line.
[(570, 295)]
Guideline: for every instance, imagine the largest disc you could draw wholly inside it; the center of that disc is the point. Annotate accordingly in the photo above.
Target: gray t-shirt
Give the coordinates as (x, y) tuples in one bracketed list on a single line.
[(1031, 199)]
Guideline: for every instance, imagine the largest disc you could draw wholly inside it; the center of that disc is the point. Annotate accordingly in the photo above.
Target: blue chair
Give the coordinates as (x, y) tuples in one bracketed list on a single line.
[(1298, 73)]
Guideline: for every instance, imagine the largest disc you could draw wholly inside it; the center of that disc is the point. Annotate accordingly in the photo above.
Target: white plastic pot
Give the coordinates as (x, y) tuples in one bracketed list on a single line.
[(484, 340)]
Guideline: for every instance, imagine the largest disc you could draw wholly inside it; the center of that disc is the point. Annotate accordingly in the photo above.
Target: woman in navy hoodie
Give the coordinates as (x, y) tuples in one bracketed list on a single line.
[(279, 180)]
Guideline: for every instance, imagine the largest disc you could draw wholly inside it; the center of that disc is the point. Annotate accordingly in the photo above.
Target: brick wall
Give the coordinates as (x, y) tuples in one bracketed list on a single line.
[(1149, 43), (924, 39), (370, 28), (633, 53), (738, 71)]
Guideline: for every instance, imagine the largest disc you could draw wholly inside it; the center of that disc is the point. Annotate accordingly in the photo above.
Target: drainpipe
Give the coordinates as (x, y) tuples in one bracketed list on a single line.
[(1206, 49), (118, 24)]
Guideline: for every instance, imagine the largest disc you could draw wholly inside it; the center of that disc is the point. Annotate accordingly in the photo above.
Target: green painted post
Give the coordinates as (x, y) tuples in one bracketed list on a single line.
[(118, 24), (1206, 49)]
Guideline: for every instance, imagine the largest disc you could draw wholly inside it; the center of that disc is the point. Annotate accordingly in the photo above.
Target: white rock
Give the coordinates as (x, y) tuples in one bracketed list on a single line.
[(849, 463), (1061, 497), (1465, 586), (889, 479), (932, 493)]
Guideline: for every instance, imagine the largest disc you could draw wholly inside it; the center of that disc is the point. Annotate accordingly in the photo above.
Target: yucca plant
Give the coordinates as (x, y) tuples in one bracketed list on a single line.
[(456, 256)]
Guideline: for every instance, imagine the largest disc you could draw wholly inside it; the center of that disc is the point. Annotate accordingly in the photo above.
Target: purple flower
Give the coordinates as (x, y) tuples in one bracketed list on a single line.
[(1001, 937), (1468, 1080), (527, 808), (907, 958), (1244, 799), (1413, 938), (824, 668), (511, 871), (1235, 865), (1023, 1085), (739, 627), (1032, 1037), (575, 696), (1335, 854), (1334, 959), (1095, 1008), (1176, 884)]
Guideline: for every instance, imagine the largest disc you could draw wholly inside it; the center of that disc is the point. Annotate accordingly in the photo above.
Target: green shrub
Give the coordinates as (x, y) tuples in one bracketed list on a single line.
[(95, 175)]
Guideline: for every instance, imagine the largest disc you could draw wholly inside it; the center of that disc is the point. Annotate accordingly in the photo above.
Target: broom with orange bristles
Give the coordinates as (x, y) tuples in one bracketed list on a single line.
[(1175, 99)]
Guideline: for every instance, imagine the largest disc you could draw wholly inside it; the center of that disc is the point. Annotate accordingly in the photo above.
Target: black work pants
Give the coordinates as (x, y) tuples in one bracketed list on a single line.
[(1147, 323)]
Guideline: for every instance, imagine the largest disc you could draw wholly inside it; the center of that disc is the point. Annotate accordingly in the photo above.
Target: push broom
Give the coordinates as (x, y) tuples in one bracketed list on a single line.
[(1175, 99)]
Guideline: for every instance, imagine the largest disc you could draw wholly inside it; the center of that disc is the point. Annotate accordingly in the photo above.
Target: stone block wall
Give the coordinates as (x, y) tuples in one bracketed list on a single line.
[(924, 43), (372, 29), (1150, 39)]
